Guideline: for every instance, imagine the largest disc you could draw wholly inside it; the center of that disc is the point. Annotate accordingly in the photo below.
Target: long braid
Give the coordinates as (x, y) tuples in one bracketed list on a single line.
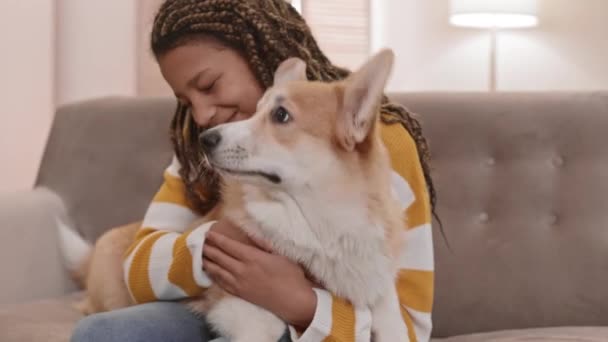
[(266, 32)]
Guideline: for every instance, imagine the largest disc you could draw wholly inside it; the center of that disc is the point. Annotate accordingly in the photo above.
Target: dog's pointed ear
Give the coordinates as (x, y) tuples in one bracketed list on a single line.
[(291, 69), (363, 91)]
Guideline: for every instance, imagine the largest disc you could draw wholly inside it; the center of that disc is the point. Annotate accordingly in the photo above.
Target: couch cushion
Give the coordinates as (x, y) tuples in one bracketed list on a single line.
[(561, 334), (522, 181), (105, 158), (29, 256), (50, 320)]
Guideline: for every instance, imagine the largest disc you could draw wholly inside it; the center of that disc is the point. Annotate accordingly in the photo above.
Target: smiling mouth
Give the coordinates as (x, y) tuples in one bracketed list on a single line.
[(271, 177), (233, 116)]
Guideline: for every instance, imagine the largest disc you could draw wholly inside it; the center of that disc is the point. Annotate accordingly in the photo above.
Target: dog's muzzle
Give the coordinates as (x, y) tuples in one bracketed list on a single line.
[(211, 139)]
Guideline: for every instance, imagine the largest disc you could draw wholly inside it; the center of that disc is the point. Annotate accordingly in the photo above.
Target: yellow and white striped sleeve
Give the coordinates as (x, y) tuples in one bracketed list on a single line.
[(336, 320), (165, 260), (415, 281)]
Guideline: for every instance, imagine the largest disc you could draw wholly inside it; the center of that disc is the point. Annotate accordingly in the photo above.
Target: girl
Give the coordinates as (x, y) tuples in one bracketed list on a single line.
[(219, 56)]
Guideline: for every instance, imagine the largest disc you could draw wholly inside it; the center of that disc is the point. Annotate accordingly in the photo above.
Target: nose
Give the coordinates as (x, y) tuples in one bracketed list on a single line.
[(203, 114), (210, 139)]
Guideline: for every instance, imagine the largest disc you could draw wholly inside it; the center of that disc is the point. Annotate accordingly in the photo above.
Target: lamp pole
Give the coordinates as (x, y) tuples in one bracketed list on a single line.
[(493, 57), (494, 15)]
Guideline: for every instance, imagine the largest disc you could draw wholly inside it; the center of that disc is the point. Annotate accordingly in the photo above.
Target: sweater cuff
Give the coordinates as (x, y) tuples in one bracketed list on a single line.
[(195, 242), (320, 327)]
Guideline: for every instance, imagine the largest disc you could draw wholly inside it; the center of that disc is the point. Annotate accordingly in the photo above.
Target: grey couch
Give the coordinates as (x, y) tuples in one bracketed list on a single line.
[(522, 182)]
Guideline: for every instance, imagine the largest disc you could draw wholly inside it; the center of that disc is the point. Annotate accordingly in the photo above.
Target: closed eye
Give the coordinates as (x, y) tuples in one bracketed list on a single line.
[(209, 88)]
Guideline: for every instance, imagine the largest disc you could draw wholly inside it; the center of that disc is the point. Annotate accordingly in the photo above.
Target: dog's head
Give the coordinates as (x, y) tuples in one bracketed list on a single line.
[(303, 130)]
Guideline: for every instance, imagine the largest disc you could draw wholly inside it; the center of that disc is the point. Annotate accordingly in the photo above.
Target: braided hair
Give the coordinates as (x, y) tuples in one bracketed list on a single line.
[(265, 32)]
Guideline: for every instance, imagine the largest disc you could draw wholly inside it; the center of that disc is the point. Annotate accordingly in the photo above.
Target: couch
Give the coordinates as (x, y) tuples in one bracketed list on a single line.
[(522, 180)]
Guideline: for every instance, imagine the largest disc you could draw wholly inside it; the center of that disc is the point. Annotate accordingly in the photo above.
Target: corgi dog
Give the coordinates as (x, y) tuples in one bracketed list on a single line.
[(309, 174)]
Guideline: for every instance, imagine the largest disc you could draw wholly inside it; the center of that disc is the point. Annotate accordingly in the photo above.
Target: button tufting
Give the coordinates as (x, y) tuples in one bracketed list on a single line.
[(484, 217), (552, 219), (490, 161), (558, 161)]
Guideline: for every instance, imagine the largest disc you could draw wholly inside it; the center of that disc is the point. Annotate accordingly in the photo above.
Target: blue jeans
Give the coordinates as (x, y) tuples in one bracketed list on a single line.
[(152, 322)]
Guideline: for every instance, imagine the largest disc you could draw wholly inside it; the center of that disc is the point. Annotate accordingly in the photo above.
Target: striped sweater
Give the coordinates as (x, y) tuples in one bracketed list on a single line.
[(165, 261)]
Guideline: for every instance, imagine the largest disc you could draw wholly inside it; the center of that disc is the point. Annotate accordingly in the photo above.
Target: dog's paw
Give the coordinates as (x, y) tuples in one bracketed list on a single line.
[(84, 306)]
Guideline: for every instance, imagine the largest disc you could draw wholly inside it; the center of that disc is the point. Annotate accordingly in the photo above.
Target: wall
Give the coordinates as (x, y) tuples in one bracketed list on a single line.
[(101, 48), (58, 51), (150, 82), (566, 52), (95, 49), (26, 88)]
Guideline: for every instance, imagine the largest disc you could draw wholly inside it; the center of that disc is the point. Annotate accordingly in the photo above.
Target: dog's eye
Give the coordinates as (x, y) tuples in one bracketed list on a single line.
[(281, 115)]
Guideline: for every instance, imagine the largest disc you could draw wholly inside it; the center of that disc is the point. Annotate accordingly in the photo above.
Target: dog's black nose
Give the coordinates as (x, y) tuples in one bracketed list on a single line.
[(210, 139)]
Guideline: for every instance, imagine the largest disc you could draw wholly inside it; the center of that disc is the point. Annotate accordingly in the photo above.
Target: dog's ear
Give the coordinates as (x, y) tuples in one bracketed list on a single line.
[(291, 69), (363, 91)]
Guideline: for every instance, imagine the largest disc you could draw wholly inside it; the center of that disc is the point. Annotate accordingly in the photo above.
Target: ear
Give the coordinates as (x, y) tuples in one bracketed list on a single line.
[(291, 69), (363, 91)]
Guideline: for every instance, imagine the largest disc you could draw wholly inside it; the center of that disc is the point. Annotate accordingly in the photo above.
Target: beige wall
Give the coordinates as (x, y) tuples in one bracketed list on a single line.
[(101, 48), (96, 54), (26, 88), (58, 51), (149, 79), (566, 52)]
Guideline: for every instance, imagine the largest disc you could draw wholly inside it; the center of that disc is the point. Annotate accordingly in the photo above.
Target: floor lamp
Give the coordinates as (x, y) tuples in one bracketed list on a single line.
[(494, 15)]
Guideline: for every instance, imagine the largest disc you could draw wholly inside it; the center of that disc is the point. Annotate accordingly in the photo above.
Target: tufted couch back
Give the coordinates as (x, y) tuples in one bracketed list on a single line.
[(523, 195)]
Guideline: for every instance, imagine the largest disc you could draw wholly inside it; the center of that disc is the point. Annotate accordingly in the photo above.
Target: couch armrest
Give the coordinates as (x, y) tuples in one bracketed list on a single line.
[(30, 260)]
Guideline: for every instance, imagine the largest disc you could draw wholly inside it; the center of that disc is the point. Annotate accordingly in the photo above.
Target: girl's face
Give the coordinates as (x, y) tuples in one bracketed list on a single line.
[(215, 81)]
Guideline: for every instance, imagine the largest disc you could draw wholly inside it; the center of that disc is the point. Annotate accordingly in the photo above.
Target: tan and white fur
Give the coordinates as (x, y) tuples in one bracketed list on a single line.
[(308, 173)]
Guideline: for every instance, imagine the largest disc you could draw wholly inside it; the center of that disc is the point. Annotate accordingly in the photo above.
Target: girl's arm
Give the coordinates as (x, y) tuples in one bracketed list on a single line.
[(165, 261)]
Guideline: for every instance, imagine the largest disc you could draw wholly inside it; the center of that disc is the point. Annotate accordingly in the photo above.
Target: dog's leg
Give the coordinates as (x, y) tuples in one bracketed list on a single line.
[(84, 306), (387, 322), (241, 321)]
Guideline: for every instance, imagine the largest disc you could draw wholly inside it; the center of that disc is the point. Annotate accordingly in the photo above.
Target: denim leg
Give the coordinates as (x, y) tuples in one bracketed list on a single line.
[(152, 322), (284, 338)]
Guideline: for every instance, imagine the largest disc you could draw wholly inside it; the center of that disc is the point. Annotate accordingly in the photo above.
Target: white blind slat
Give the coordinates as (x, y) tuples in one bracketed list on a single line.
[(341, 27)]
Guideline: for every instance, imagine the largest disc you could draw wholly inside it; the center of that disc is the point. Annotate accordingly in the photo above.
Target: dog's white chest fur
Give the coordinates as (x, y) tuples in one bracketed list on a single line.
[(315, 185), (335, 240)]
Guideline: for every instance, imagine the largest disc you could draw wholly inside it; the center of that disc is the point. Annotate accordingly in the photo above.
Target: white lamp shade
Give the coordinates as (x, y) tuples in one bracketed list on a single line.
[(494, 13)]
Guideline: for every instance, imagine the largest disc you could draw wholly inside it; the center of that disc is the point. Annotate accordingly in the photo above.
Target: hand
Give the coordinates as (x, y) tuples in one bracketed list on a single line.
[(227, 228), (258, 276)]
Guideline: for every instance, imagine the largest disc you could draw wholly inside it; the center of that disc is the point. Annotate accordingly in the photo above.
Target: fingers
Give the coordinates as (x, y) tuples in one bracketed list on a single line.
[(222, 259), (235, 249), (220, 276), (263, 244)]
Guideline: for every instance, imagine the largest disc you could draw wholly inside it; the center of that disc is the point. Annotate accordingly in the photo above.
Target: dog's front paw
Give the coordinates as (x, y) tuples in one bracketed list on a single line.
[(241, 321)]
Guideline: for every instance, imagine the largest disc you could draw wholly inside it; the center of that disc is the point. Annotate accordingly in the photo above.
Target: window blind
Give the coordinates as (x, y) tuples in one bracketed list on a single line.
[(341, 28)]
